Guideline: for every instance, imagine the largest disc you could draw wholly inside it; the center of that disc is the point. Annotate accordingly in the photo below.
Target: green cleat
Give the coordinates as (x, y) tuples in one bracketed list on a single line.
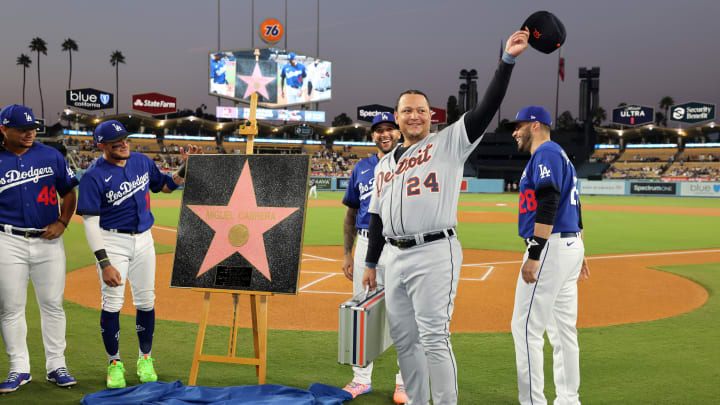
[(145, 369), (116, 375)]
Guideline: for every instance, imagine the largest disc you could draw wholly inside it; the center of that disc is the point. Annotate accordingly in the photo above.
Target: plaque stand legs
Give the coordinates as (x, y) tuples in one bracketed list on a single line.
[(258, 304)]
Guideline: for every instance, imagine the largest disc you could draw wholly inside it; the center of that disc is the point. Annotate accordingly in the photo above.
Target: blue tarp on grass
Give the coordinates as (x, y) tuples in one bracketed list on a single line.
[(175, 393)]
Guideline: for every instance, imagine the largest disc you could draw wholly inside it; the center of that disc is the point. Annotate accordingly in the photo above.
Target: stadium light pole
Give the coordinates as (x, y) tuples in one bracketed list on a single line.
[(317, 40)]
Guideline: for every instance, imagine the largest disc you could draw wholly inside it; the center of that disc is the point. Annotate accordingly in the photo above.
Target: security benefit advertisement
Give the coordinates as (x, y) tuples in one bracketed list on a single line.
[(279, 76)]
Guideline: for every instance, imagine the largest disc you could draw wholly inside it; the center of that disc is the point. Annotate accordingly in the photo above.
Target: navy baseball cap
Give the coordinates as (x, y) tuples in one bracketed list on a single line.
[(530, 114), (19, 117), (383, 117), (547, 32), (291, 56), (110, 131)]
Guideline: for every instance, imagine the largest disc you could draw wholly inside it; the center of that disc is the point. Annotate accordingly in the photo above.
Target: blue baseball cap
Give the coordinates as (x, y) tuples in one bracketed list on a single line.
[(291, 56), (531, 114), (18, 116), (110, 131), (383, 117)]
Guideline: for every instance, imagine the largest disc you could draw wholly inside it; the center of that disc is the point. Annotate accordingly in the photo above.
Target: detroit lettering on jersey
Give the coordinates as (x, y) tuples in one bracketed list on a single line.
[(121, 195), (419, 192), (360, 189), (30, 185), (549, 166), (423, 155)]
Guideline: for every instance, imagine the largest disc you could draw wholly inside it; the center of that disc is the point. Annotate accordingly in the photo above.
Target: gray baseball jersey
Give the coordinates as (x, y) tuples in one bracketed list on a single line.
[(419, 193)]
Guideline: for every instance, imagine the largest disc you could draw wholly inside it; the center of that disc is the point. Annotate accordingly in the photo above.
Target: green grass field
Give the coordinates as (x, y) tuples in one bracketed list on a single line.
[(668, 361)]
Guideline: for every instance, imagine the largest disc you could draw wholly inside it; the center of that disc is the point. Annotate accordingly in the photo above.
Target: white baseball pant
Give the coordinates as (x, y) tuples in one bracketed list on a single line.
[(363, 375), (134, 258), (420, 287), (550, 304), (43, 262)]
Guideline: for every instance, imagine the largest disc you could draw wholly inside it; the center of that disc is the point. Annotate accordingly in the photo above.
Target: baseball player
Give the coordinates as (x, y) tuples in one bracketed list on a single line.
[(218, 80), (32, 221), (294, 74), (385, 134), (414, 209), (114, 201), (313, 188), (550, 221)]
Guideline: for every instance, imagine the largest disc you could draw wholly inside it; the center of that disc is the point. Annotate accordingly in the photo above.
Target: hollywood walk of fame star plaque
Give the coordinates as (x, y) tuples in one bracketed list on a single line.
[(241, 223)]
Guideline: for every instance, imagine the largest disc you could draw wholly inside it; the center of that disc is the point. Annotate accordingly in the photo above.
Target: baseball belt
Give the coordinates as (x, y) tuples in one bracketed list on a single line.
[(406, 243)]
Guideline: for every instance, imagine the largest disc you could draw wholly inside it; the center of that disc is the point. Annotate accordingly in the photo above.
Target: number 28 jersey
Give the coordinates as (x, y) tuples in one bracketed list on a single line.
[(549, 166)]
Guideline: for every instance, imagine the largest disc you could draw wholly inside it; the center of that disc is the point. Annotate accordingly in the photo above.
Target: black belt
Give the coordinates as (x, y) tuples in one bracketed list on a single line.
[(406, 243), (562, 235), (27, 234), (363, 232), (125, 231)]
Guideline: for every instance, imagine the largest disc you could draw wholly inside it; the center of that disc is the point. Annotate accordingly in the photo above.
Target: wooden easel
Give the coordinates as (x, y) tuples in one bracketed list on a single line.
[(258, 300)]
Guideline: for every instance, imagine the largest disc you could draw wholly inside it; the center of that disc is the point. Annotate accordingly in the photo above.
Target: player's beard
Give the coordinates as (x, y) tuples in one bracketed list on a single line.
[(524, 139)]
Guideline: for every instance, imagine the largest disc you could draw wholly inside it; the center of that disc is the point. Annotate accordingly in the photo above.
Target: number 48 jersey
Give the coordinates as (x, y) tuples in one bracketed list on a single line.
[(549, 166)]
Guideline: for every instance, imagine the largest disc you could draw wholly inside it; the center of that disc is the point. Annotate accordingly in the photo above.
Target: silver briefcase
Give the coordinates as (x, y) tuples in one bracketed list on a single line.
[(363, 330)]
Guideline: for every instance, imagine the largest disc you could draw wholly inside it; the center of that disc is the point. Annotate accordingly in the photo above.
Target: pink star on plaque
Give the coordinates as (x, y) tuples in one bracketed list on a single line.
[(239, 226), (256, 82)]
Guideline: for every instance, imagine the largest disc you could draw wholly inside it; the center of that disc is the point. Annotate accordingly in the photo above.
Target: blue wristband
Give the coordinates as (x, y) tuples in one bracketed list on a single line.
[(507, 58), (170, 183), (370, 265)]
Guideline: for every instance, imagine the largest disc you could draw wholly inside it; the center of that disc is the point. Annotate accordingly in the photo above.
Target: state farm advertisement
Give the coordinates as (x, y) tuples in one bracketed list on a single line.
[(154, 103)]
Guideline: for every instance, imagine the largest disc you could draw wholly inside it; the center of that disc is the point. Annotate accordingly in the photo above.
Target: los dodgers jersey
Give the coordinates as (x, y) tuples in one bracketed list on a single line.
[(30, 185), (217, 71), (419, 193), (549, 166), (294, 74), (121, 195), (359, 190)]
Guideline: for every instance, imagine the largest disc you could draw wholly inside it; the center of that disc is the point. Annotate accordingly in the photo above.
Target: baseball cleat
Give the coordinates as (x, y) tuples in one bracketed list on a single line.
[(145, 369), (14, 381), (61, 377), (400, 397), (116, 375), (356, 389)]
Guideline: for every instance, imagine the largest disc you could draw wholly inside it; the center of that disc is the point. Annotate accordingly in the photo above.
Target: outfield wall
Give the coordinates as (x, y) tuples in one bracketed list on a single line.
[(469, 184), (649, 188)]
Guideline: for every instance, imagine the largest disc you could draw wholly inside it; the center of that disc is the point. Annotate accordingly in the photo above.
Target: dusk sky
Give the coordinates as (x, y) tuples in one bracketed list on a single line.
[(645, 49)]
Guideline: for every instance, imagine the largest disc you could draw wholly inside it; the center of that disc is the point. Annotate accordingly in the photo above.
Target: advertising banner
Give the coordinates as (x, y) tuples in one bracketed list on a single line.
[(605, 187), (270, 115), (368, 112), (154, 103), (632, 115), (323, 183), (700, 189), (342, 183), (653, 188), (438, 115), (89, 99), (692, 112)]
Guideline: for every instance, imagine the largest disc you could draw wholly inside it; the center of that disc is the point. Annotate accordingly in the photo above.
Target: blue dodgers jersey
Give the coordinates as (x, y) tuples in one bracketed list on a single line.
[(549, 165), (217, 70), (359, 190), (121, 195), (30, 185), (294, 74)]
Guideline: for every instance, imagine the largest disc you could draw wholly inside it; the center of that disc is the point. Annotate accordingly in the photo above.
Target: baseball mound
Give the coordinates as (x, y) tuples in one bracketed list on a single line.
[(622, 289)]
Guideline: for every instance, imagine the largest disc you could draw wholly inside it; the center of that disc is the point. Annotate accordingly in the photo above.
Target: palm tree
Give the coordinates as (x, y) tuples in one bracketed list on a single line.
[(39, 45), (599, 116), (116, 58), (69, 45), (25, 61), (665, 103)]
